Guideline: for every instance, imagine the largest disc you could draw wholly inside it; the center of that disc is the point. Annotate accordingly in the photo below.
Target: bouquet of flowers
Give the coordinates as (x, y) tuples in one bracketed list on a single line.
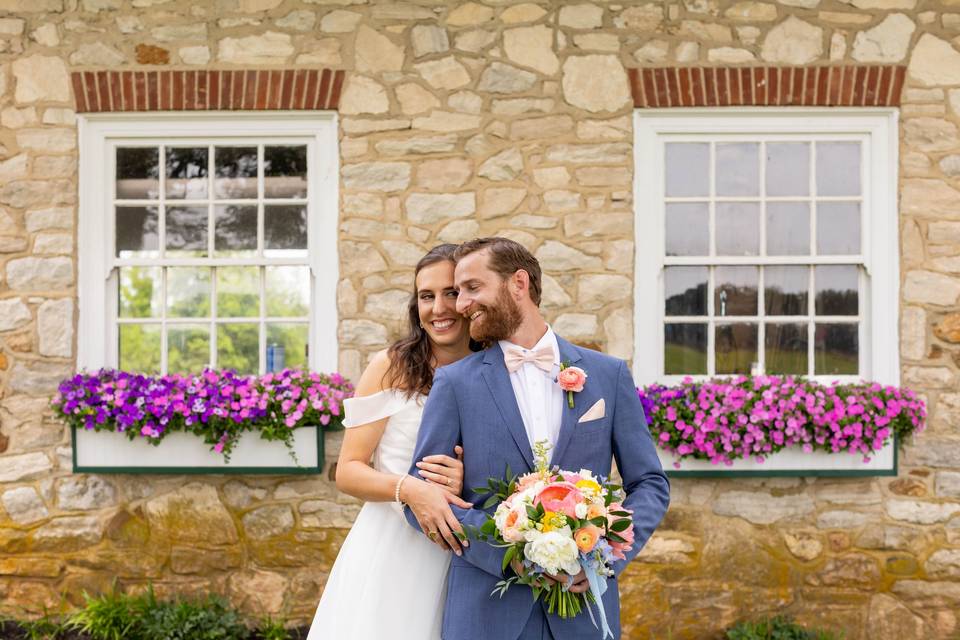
[(552, 521)]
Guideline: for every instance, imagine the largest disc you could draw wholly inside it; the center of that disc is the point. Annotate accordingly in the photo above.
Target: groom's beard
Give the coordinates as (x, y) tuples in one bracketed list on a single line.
[(498, 322)]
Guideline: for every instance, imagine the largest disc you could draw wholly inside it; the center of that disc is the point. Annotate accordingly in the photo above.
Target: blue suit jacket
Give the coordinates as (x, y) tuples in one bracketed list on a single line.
[(472, 403)]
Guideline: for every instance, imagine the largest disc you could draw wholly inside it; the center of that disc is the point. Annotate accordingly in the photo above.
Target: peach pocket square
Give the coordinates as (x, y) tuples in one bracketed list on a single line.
[(597, 411)]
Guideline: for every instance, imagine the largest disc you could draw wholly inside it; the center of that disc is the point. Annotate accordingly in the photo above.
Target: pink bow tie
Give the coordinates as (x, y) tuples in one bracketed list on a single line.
[(541, 358)]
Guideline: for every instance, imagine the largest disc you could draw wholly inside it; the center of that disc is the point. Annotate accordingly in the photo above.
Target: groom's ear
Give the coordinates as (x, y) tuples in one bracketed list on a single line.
[(520, 282)]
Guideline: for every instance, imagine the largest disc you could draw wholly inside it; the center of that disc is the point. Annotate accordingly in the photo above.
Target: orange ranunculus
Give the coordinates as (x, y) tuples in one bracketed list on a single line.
[(596, 510), (572, 379), (561, 497), (587, 537)]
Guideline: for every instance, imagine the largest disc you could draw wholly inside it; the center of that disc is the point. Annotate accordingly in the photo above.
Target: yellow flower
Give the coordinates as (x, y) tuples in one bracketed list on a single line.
[(553, 520), (588, 486)]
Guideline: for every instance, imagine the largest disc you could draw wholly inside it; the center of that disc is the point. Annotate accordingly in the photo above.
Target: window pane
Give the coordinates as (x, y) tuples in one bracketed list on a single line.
[(836, 291), (188, 348), (236, 172), (287, 343), (738, 228), (738, 169), (288, 291), (685, 349), (140, 348), (836, 350), (736, 348), (788, 169), (687, 169), (188, 292), (736, 291), (140, 292), (687, 229), (685, 289), (285, 172), (238, 292), (838, 228), (138, 173), (285, 231), (785, 290), (235, 231), (187, 172), (186, 232), (137, 234), (838, 168), (785, 348), (238, 347), (788, 228)]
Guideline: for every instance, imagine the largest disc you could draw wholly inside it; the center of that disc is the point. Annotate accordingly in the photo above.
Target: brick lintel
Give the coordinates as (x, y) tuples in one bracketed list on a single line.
[(207, 90), (825, 86)]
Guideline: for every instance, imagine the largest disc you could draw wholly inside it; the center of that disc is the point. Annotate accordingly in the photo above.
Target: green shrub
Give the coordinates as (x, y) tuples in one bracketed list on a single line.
[(111, 616), (777, 628), (273, 629), (210, 619)]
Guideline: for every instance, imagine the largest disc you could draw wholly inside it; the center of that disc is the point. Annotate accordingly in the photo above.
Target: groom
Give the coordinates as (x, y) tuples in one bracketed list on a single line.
[(496, 403)]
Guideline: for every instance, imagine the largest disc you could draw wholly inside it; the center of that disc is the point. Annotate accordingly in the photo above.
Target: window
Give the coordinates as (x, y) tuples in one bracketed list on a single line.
[(766, 243), (208, 241)]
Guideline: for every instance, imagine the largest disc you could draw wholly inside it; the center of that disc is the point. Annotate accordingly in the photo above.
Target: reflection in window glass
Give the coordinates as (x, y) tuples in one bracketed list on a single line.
[(685, 348), (686, 291), (140, 292), (285, 231), (188, 348), (788, 228), (735, 347), (687, 169), (238, 347), (138, 173), (285, 172), (238, 292), (788, 168), (838, 228), (738, 169), (137, 234), (187, 171), (236, 172), (139, 348), (836, 290), (288, 291), (687, 229), (188, 292), (738, 228), (836, 350), (735, 291), (785, 290), (235, 230), (785, 348), (838, 168), (187, 232), (292, 338)]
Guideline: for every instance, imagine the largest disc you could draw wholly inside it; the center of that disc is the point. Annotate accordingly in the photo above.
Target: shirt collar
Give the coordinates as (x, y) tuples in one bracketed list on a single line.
[(549, 339)]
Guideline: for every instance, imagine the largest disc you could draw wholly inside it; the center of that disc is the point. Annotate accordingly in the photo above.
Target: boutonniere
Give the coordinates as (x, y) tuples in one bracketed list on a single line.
[(571, 380)]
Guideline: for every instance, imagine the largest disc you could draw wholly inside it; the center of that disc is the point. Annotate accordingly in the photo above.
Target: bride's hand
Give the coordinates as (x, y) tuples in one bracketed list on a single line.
[(431, 507), (444, 471)]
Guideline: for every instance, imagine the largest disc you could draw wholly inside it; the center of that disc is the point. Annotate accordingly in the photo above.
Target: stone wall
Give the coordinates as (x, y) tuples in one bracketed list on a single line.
[(465, 119)]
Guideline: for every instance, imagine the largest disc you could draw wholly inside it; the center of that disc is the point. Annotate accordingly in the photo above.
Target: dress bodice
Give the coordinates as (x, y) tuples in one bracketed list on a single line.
[(395, 451)]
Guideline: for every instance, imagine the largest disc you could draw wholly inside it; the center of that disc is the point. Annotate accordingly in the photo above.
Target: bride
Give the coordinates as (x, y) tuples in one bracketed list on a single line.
[(389, 580)]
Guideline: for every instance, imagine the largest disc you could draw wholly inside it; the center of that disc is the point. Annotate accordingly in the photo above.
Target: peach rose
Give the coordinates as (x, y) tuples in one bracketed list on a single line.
[(572, 379), (587, 537)]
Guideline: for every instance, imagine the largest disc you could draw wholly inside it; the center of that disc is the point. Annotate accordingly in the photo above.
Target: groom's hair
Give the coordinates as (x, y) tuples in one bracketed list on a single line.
[(506, 258)]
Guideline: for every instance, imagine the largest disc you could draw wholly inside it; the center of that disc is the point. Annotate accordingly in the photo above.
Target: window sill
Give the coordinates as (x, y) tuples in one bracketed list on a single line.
[(185, 453), (789, 463)]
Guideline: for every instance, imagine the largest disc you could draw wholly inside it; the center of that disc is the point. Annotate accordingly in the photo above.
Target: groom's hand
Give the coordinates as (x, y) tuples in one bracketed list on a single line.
[(580, 584)]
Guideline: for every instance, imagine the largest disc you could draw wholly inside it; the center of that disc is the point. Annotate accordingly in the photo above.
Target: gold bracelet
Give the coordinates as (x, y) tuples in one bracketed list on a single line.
[(396, 491)]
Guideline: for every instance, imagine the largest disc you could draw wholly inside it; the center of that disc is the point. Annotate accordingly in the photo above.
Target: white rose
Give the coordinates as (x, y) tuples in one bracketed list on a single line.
[(581, 510), (554, 552)]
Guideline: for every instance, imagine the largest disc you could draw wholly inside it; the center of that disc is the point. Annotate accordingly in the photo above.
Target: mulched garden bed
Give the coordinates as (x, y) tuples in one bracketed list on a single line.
[(13, 631)]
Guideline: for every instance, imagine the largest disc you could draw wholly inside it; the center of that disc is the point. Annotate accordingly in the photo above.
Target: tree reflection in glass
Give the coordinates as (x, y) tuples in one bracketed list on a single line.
[(685, 348), (235, 230), (285, 231), (187, 232), (285, 172), (236, 173), (293, 338), (138, 173), (836, 289), (685, 291), (188, 292), (785, 348), (238, 346), (238, 292), (187, 171), (785, 290), (188, 347), (140, 292), (137, 234), (288, 291), (139, 348), (836, 350), (735, 347), (735, 291)]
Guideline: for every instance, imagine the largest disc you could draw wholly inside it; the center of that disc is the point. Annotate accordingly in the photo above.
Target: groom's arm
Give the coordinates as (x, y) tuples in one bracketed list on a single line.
[(439, 434), (646, 485)]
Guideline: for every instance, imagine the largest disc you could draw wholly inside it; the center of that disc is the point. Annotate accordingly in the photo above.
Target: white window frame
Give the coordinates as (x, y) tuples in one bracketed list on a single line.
[(879, 305), (97, 275)]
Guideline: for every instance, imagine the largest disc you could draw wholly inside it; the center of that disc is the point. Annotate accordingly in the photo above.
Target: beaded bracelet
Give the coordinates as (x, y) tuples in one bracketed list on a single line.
[(396, 491)]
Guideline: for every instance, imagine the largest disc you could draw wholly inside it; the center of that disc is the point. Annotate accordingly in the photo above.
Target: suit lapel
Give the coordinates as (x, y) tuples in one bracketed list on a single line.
[(497, 377), (570, 355)]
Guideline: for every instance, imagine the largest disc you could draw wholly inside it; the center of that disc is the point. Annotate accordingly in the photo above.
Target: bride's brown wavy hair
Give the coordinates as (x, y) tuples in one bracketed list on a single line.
[(411, 356)]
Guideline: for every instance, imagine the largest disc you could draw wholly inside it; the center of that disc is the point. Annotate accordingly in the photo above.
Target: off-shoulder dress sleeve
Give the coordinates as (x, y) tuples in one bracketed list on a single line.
[(366, 409)]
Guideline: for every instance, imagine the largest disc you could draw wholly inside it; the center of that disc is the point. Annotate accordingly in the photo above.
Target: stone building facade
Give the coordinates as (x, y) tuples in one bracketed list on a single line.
[(458, 120)]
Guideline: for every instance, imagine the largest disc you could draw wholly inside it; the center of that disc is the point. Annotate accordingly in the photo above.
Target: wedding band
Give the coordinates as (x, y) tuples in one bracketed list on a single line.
[(432, 535), (448, 482)]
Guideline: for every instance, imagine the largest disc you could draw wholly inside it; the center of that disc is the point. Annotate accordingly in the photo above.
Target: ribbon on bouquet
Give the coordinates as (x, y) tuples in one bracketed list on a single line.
[(598, 587)]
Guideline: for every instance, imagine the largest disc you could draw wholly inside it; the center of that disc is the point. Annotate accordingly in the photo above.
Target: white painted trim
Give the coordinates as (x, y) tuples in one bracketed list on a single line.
[(319, 129), (879, 334), (793, 459)]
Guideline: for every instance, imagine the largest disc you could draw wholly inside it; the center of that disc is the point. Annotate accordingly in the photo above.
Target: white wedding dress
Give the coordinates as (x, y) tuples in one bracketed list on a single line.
[(389, 580)]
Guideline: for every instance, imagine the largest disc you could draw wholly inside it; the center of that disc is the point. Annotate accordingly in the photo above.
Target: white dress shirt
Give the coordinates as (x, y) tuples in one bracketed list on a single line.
[(539, 397)]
